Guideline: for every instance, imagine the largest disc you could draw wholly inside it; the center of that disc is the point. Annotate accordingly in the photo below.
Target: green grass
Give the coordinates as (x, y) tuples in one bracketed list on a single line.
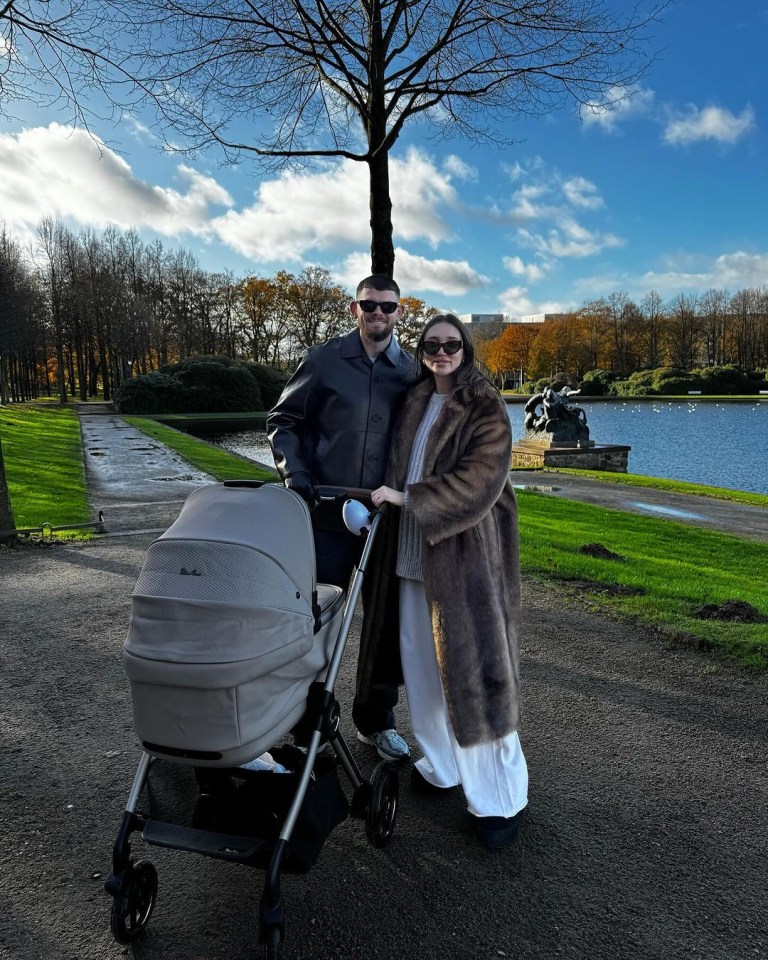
[(659, 483), (44, 465), (675, 567), (205, 456)]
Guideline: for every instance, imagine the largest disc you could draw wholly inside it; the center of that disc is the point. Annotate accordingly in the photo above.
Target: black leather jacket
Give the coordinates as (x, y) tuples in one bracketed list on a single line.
[(335, 416)]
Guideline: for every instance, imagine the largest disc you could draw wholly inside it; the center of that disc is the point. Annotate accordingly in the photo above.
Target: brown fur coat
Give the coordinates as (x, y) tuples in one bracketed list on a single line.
[(467, 512)]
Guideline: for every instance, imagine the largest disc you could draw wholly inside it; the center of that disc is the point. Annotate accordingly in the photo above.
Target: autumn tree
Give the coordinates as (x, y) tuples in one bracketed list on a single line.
[(415, 315), (511, 351), (292, 80)]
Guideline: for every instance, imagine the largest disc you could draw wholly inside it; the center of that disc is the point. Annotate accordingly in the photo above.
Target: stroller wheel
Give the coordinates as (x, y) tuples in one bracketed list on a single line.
[(273, 944), (382, 809), (133, 907)]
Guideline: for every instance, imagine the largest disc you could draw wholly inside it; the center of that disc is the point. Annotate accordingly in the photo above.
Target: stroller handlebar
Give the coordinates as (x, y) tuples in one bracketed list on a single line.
[(326, 494)]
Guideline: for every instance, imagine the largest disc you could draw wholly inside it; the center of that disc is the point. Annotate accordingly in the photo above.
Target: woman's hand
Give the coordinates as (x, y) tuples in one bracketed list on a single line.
[(387, 495)]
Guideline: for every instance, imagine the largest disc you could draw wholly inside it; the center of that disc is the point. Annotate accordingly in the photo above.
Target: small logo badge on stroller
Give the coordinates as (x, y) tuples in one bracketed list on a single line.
[(190, 573)]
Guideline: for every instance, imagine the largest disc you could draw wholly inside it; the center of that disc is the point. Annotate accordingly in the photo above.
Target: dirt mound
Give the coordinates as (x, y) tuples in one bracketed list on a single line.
[(599, 551), (735, 610)]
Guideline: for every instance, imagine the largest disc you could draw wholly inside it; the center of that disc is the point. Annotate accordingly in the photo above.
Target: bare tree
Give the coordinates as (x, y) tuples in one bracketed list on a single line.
[(685, 331), (652, 329), (336, 78), (61, 54)]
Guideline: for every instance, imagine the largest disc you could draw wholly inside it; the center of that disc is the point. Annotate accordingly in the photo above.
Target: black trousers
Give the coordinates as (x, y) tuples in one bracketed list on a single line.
[(336, 553)]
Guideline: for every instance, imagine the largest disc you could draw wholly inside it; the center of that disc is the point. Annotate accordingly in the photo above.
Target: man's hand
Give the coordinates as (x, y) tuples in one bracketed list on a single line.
[(301, 483)]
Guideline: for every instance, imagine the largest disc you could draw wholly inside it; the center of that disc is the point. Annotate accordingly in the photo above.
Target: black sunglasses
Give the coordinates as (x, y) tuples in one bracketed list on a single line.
[(369, 306), (432, 347)]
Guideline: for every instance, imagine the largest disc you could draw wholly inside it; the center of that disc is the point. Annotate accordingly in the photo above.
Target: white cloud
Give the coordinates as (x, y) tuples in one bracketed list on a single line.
[(582, 193), (711, 123), (569, 239), (619, 104), (729, 271), (516, 302), (336, 197), (456, 167), (416, 274), (685, 273), (68, 173), (531, 271)]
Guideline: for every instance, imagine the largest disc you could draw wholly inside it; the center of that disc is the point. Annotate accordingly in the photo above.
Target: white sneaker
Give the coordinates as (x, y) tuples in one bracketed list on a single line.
[(389, 743)]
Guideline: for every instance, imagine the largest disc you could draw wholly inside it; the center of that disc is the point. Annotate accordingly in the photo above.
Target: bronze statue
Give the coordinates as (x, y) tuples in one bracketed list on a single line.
[(549, 415)]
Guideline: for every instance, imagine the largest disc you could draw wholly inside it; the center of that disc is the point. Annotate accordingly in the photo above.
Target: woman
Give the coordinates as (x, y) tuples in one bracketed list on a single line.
[(451, 560)]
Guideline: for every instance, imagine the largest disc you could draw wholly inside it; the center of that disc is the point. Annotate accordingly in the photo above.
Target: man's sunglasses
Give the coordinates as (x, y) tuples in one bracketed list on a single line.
[(369, 306), (432, 347)]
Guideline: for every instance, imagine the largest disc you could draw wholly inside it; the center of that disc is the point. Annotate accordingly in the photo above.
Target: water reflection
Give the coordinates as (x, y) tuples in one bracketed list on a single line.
[(723, 444)]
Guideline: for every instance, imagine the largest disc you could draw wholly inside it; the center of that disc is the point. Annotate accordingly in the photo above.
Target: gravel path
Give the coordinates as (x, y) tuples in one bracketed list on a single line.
[(645, 835)]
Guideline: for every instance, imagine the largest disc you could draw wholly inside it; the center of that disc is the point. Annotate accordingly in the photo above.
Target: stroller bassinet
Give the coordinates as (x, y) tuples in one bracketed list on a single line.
[(230, 643), (227, 629)]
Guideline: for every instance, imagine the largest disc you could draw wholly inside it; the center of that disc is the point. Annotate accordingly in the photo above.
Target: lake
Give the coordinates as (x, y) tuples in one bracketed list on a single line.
[(723, 444)]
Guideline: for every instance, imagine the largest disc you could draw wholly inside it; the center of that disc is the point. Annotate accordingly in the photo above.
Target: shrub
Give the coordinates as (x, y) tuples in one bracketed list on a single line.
[(201, 385), (180, 365), (727, 379), (218, 388), (544, 382), (597, 383), (680, 385), (150, 393), (641, 383), (270, 381)]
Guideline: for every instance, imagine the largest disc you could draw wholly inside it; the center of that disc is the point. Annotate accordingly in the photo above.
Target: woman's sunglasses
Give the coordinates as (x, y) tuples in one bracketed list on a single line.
[(432, 347), (369, 306)]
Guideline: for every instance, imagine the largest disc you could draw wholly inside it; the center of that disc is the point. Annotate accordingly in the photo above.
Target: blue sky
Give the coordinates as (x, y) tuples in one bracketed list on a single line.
[(667, 192)]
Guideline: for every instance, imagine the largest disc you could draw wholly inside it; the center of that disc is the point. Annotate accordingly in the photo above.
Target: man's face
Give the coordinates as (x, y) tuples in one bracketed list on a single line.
[(376, 326)]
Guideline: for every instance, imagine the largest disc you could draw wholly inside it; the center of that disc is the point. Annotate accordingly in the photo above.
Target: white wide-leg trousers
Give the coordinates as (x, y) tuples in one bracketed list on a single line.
[(494, 776)]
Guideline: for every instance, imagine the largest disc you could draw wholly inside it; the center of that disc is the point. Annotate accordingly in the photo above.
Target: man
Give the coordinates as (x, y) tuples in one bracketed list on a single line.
[(332, 426)]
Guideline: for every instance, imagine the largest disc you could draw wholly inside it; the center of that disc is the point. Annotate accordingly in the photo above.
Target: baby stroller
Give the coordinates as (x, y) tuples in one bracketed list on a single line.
[(231, 643)]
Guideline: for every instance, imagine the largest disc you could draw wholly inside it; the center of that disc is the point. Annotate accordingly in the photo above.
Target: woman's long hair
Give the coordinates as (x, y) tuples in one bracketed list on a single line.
[(468, 377)]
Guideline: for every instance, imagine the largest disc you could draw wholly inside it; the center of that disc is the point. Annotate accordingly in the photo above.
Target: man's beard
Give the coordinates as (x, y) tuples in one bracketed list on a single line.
[(378, 335)]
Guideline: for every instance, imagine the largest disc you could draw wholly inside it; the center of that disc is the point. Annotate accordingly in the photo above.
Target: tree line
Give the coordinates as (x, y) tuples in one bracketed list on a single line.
[(616, 334), (83, 313), (88, 312)]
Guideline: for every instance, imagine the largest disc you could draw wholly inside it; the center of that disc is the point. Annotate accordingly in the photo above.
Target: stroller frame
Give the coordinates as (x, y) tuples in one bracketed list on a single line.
[(133, 884)]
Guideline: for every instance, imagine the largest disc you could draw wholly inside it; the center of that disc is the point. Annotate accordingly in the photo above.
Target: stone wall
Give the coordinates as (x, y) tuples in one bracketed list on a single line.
[(613, 459)]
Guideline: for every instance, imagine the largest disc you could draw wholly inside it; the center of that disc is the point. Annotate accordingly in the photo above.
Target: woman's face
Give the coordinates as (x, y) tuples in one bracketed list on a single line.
[(443, 365)]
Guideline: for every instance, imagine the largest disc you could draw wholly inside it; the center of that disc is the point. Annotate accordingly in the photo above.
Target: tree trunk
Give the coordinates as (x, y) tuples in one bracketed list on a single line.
[(382, 248), (6, 514)]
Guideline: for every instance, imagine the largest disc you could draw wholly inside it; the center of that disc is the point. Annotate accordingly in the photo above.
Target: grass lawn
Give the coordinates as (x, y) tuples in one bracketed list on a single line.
[(667, 570), (205, 456), (44, 465)]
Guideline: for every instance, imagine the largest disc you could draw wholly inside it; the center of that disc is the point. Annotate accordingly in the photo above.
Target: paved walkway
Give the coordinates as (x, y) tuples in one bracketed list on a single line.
[(139, 484), (135, 481)]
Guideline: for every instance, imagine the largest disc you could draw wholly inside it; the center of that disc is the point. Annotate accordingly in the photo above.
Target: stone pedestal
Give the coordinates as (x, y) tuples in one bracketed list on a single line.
[(586, 455)]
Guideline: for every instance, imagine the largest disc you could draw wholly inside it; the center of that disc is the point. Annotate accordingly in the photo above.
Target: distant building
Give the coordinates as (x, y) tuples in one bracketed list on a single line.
[(470, 318), (541, 317)]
